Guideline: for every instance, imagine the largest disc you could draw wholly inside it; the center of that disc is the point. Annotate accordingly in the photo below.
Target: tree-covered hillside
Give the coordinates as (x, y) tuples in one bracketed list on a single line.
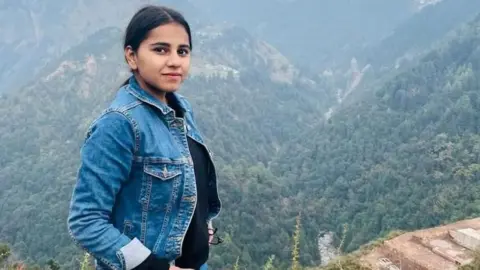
[(246, 114), (405, 158), (403, 154)]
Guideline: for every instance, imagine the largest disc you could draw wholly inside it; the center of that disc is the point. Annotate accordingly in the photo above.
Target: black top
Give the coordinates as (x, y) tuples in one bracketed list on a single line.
[(195, 246)]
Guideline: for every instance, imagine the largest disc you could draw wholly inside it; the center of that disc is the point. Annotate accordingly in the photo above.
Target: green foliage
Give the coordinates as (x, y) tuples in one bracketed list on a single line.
[(86, 263), (475, 265), (251, 236), (236, 266), (5, 252), (345, 263), (42, 127), (296, 243), (379, 163), (53, 265), (269, 264)]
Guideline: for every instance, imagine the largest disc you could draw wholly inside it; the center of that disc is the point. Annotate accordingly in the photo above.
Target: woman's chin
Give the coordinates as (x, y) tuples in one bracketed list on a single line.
[(170, 87)]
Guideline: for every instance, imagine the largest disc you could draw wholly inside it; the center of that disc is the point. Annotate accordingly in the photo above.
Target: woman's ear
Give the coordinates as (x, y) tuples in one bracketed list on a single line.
[(131, 58)]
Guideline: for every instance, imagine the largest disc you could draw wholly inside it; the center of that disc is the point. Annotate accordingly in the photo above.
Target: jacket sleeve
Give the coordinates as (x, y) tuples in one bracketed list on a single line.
[(106, 160)]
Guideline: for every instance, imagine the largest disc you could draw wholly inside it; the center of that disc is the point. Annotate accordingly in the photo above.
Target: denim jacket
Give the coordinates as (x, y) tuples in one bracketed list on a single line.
[(136, 192)]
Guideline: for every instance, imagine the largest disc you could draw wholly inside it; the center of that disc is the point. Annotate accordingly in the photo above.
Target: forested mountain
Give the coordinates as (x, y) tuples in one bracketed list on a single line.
[(407, 157), (417, 34), (236, 79), (402, 154), (42, 127), (311, 33), (375, 64)]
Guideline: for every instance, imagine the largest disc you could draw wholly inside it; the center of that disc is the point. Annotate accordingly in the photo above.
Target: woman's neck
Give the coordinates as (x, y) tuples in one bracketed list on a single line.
[(157, 93)]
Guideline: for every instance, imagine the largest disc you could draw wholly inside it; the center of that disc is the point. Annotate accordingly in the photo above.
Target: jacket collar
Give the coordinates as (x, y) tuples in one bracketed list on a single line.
[(134, 88)]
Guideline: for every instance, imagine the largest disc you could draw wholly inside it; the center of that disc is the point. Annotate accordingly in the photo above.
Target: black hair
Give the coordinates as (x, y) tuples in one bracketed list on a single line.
[(148, 18)]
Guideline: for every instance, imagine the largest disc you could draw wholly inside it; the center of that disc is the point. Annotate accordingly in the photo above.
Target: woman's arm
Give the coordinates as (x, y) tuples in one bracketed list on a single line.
[(106, 159)]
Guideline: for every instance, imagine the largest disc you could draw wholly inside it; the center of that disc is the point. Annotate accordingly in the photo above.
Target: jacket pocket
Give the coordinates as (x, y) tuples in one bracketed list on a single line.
[(160, 186)]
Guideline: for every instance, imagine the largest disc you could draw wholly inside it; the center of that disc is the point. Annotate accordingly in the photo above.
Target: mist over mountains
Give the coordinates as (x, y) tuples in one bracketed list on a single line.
[(348, 112)]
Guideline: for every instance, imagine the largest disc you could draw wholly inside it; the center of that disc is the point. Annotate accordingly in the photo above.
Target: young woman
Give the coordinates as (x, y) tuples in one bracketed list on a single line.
[(146, 191)]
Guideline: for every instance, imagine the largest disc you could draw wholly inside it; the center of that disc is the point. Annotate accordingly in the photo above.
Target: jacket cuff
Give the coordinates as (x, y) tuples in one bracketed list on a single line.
[(134, 253)]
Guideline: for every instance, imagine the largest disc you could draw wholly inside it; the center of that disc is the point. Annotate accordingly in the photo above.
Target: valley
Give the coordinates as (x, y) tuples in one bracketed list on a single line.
[(373, 126)]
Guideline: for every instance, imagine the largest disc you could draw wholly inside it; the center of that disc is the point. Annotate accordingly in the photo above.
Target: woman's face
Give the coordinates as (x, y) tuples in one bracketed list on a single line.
[(162, 61)]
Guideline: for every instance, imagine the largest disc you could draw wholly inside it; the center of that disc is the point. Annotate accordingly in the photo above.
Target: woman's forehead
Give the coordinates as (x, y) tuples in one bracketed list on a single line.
[(171, 33)]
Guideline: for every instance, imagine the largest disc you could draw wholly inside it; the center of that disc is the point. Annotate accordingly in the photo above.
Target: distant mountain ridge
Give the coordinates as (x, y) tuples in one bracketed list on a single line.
[(408, 132), (31, 38), (416, 35), (381, 161), (424, 3), (45, 122)]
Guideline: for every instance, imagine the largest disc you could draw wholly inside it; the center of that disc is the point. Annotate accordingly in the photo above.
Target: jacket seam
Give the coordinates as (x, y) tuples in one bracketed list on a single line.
[(125, 112), (121, 258)]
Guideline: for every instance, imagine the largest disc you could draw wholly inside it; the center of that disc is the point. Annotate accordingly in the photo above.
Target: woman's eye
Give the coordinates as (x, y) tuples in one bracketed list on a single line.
[(161, 50), (183, 52)]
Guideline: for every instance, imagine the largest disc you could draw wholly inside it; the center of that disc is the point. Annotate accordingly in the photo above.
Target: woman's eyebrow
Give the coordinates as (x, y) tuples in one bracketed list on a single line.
[(163, 44)]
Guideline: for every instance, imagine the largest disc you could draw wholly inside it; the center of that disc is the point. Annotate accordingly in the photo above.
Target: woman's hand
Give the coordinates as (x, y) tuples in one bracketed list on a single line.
[(210, 236), (211, 233)]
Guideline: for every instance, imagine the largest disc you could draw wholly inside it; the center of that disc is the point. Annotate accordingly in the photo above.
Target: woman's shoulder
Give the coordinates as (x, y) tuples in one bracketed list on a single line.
[(110, 121), (118, 112)]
